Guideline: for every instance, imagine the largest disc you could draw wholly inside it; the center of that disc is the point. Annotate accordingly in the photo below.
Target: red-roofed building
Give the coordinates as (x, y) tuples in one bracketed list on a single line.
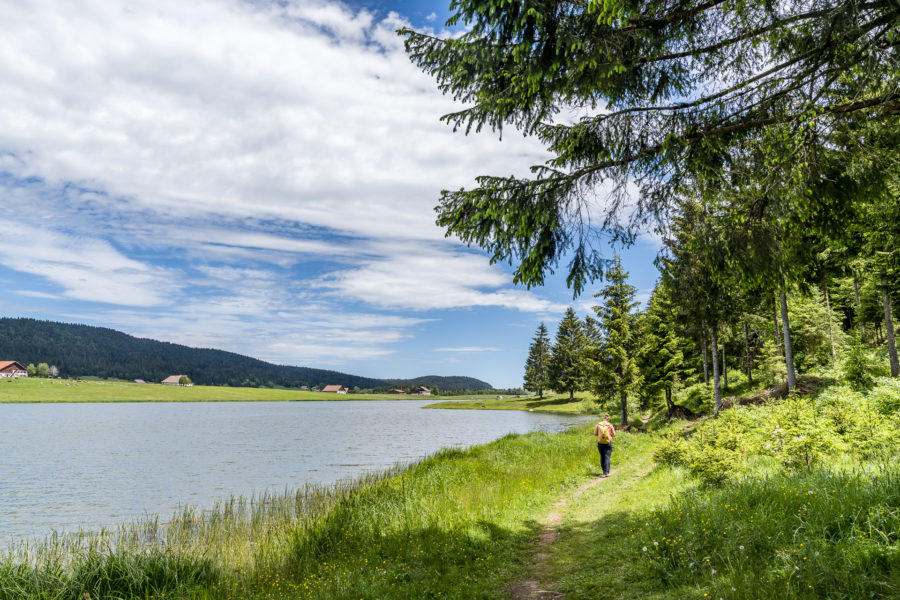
[(335, 389), (11, 368), (176, 380)]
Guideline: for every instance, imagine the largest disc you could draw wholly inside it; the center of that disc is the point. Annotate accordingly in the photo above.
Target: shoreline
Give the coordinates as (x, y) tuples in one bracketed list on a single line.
[(41, 391)]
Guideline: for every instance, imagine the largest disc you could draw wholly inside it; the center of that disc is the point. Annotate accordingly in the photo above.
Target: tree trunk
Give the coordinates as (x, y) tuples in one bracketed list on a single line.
[(778, 343), (830, 328), (889, 326), (788, 352), (623, 400), (571, 395), (859, 323), (705, 363), (747, 349), (715, 362), (724, 366), (669, 400)]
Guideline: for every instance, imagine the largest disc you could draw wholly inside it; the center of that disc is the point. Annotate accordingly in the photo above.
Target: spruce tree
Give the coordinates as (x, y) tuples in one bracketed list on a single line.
[(660, 358), (538, 363), (614, 368), (567, 372)]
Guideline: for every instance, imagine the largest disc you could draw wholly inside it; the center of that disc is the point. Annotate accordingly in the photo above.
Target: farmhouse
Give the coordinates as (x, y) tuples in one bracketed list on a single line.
[(335, 389), (396, 392), (421, 391), (175, 380), (11, 368)]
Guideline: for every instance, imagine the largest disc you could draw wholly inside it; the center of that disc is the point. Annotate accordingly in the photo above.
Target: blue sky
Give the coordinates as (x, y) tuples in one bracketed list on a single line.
[(258, 177)]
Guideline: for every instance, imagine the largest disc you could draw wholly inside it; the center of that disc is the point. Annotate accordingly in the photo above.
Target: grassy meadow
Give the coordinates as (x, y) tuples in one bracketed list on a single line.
[(35, 390)]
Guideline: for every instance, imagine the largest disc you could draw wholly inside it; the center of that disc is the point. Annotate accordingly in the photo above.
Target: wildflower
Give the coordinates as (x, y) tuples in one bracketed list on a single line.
[(644, 548), (713, 571), (740, 547), (656, 543)]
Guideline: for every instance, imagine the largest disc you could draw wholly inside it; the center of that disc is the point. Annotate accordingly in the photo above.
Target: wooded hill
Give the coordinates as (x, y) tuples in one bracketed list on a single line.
[(85, 351)]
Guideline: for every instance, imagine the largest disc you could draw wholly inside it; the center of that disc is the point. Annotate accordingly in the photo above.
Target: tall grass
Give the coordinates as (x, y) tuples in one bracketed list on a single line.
[(792, 535)]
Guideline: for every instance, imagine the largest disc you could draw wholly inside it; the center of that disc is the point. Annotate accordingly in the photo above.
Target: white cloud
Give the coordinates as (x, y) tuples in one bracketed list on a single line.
[(184, 160), (306, 112), (428, 277), (85, 269)]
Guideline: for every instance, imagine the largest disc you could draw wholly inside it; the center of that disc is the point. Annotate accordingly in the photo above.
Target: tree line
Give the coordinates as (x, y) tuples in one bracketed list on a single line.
[(638, 359)]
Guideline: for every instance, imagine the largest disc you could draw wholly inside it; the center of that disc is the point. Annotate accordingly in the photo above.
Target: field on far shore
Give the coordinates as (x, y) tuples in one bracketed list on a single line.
[(558, 403), (38, 390)]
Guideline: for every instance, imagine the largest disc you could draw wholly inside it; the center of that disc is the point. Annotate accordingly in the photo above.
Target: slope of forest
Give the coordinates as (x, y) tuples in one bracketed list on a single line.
[(82, 350)]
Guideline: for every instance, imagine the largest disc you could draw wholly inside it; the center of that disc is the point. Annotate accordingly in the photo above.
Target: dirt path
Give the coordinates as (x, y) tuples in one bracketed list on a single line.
[(530, 588)]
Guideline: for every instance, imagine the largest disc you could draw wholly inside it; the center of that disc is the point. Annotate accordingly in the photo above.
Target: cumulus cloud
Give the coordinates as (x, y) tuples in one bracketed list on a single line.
[(189, 161)]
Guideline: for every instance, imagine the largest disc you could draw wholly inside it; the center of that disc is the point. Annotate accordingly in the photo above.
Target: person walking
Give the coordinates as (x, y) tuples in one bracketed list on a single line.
[(605, 432)]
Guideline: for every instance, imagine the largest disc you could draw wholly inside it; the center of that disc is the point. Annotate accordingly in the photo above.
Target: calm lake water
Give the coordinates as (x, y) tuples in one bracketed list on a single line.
[(67, 467)]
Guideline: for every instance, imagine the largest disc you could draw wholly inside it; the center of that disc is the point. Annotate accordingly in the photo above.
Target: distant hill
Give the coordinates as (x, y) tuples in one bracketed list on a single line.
[(85, 351)]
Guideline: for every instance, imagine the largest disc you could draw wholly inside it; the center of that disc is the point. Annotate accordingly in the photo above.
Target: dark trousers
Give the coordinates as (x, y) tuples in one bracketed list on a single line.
[(605, 454)]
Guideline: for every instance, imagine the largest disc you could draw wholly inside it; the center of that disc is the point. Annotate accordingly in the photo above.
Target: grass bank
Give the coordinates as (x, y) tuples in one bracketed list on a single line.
[(559, 403), (36, 390)]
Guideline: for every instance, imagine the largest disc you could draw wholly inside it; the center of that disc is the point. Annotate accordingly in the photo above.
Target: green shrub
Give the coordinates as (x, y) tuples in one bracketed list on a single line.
[(886, 395), (856, 366), (673, 451), (713, 465)]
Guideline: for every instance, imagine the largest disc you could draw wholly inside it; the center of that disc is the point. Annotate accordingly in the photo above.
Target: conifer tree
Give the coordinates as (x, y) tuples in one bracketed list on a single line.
[(660, 357), (538, 363), (567, 360), (671, 91), (614, 368)]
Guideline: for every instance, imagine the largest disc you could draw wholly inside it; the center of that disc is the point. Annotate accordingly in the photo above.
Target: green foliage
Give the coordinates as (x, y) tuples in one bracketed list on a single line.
[(612, 361), (518, 64), (801, 438), (660, 359), (672, 451), (856, 366), (810, 336), (886, 395), (31, 369), (771, 364), (567, 360), (537, 365), (42, 370)]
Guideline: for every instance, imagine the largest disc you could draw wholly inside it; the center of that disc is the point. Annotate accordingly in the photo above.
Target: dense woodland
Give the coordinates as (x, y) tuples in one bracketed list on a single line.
[(85, 351), (638, 360)]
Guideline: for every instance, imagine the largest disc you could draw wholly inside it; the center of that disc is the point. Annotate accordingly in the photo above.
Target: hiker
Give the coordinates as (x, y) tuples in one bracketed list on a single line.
[(605, 432)]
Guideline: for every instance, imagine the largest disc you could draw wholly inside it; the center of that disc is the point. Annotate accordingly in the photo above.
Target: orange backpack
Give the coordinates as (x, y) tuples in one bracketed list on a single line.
[(603, 436)]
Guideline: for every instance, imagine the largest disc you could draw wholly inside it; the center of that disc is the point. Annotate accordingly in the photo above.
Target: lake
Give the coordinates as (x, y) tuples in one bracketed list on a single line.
[(67, 467)]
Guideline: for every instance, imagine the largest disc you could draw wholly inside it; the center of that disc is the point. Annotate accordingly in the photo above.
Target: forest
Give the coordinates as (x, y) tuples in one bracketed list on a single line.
[(86, 351)]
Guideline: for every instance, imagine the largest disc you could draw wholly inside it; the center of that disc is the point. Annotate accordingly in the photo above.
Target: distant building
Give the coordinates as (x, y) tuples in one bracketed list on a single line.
[(335, 389), (11, 368), (139, 381), (396, 392), (421, 391), (304, 387), (175, 380)]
